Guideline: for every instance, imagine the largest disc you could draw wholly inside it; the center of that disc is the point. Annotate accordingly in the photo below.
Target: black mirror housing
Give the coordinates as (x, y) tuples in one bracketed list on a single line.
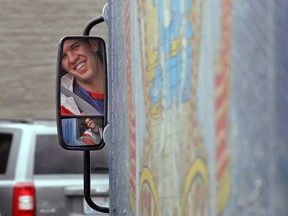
[(81, 92)]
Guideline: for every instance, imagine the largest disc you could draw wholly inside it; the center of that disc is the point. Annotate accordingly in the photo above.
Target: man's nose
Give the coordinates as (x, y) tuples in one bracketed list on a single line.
[(72, 57)]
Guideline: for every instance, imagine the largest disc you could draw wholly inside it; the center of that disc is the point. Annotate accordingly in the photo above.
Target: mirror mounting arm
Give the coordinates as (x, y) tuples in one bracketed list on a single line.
[(87, 179), (92, 23), (87, 185)]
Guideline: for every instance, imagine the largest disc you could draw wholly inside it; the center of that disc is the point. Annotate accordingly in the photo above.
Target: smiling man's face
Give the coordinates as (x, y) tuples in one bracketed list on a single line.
[(90, 123), (78, 59)]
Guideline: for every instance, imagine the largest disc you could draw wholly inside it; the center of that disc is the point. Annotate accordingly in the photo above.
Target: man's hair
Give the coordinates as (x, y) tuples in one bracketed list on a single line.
[(97, 121)]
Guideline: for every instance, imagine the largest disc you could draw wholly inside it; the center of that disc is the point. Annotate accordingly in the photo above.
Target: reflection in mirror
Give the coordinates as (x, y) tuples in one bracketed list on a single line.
[(83, 76), (82, 131)]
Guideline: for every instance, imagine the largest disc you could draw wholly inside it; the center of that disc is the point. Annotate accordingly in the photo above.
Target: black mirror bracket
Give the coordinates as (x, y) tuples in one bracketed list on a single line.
[(87, 186), (91, 24), (87, 176), (97, 20)]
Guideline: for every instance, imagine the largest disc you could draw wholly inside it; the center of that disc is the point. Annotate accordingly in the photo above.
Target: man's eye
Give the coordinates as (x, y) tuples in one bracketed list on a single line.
[(64, 57), (75, 47)]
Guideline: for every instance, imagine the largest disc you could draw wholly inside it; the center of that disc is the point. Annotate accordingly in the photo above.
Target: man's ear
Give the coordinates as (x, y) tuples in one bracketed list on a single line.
[(94, 44)]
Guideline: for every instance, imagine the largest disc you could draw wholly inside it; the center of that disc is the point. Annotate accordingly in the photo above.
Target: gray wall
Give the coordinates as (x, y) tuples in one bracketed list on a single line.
[(29, 34)]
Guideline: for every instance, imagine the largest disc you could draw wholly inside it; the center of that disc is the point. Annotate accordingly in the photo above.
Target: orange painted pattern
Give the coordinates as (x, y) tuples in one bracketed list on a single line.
[(131, 112), (222, 93)]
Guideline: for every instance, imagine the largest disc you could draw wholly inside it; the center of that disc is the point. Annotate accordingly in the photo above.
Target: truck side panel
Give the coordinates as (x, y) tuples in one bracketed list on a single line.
[(197, 96)]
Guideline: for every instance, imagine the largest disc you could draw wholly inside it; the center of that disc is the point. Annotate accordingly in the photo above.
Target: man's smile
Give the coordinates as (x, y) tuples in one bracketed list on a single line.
[(79, 67)]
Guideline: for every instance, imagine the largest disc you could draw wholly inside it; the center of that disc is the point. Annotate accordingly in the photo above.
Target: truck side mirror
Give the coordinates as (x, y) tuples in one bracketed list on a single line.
[(81, 95)]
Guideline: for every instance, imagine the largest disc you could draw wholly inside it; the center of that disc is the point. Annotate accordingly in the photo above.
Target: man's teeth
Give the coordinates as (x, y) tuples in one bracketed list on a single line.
[(79, 66)]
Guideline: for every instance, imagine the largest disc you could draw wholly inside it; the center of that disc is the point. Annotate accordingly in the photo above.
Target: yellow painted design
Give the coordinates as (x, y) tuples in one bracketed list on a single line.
[(197, 168), (146, 177), (223, 192), (132, 199)]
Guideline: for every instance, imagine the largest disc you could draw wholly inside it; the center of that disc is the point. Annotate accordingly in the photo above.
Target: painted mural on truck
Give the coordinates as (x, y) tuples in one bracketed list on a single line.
[(173, 165), (200, 86)]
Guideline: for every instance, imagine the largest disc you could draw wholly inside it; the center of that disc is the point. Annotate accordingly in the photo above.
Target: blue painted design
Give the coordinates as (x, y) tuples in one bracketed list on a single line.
[(173, 90)]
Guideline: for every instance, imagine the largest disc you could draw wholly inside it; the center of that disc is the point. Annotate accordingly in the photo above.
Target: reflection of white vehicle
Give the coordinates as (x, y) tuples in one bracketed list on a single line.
[(44, 178)]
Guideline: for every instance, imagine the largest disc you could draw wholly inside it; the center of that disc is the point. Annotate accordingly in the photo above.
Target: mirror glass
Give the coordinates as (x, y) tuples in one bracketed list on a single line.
[(82, 87), (82, 131)]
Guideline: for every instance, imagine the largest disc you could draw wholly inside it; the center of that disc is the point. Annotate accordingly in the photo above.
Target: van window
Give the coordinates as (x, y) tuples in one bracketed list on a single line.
[(51, 158), (5, 145)]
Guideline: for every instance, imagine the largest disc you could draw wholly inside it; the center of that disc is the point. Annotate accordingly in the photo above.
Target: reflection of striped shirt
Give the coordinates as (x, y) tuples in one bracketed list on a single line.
[(96, 100), (97, 137), (68, 105)]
